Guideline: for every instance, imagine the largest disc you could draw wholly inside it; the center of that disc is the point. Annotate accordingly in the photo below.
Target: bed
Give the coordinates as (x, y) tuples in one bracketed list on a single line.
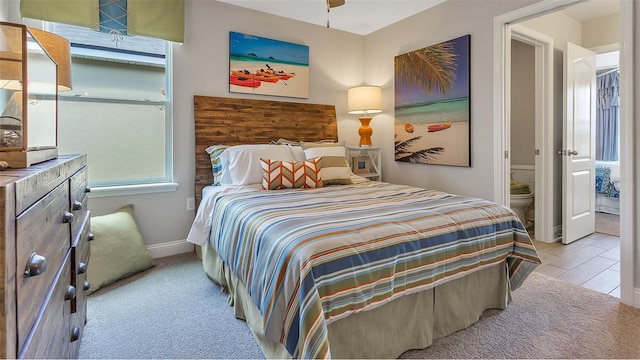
[(608, 187), (359, 270)]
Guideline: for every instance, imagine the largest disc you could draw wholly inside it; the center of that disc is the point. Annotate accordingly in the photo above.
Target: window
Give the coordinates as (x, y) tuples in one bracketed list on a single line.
[(119, 110)]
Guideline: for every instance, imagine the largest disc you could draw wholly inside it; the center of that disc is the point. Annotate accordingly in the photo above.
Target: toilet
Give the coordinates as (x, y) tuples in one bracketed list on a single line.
[(522, 204)]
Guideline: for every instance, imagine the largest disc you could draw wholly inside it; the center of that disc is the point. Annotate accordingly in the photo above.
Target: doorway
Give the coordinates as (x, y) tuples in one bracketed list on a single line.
[(502, 33)]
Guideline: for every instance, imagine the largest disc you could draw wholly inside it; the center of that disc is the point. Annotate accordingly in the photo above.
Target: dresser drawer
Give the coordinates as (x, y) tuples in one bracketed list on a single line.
[(78, 199), (79, 263), (42, 230), (51, 332)]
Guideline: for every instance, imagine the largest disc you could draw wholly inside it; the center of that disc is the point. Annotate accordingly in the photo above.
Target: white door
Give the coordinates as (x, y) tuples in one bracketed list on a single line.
[(578, 152)]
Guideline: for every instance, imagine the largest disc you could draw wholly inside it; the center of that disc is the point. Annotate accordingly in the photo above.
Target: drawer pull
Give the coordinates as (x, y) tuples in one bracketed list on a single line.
[(75, 334), (70, 294), (86, 285), (90, 237), (82, 268), (36, 265), (67, 217), (77, 205)]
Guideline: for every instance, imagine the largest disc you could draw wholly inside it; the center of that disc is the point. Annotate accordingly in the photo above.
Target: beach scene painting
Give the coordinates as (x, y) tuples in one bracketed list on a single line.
[(432, 104), (258, 65)]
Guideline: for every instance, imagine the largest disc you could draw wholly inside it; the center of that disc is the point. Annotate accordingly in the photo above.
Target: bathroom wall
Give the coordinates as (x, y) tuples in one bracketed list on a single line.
[(523, 124)]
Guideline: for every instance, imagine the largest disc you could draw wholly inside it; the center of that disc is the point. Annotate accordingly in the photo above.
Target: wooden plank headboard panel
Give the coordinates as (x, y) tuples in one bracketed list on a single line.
[(233, 121)]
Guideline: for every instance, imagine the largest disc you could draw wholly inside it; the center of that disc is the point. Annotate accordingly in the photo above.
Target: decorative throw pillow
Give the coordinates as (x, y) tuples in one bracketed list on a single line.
[(117, 250), (214, 152), (290, 174), (335, 169)]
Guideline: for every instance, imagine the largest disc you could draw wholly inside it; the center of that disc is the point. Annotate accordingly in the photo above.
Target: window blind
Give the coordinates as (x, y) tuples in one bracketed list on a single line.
[(162, 19)]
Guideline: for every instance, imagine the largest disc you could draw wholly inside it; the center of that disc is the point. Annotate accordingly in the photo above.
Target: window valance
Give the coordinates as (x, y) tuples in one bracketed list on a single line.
[(162, 19)]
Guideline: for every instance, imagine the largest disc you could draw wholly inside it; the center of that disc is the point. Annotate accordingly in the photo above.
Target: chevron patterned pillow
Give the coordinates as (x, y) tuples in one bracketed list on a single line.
[(290, 174)]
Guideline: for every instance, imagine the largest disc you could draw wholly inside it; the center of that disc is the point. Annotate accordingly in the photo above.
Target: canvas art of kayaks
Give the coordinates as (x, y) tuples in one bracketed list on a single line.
[(271, 71), (244, 81), (247, 74), (281, 75), (439, 127)]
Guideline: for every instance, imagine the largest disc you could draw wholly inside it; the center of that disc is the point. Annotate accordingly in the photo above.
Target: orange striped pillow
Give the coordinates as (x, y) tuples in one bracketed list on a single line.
[(290, 174)]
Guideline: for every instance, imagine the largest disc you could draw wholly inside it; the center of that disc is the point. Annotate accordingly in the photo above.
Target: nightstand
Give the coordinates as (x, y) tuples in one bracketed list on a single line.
[(365, 161)]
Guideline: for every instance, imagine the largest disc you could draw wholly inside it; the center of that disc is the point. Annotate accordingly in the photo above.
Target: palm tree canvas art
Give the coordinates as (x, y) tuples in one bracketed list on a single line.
[(432, 97)]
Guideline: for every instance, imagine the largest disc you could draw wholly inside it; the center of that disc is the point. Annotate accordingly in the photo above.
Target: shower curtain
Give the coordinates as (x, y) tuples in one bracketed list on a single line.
[(607, 116)]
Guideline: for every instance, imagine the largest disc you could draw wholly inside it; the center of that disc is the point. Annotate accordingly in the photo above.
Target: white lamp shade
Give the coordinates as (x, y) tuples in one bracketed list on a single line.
[(364, 99)]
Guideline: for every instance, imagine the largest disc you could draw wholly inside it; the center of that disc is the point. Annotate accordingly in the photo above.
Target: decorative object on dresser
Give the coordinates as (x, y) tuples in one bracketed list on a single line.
[(45, 227), (34, 66), (364, 100)]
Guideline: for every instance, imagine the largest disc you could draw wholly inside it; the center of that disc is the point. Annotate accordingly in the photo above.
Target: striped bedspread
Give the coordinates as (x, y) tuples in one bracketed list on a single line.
[(310, 257)]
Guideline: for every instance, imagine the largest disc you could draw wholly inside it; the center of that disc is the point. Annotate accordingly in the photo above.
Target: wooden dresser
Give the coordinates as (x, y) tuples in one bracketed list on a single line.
[(44, 254)]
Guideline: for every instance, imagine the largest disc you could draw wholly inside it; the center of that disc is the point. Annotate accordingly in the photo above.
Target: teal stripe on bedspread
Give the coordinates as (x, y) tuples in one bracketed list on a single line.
[(310, 257)]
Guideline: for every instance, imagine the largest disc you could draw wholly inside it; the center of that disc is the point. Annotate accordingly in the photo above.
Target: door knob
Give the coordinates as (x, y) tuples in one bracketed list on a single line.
[(573, 152)]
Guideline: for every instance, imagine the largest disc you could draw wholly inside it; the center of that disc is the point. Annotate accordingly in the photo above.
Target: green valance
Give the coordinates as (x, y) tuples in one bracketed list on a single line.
[(162, 19), (73, 12)]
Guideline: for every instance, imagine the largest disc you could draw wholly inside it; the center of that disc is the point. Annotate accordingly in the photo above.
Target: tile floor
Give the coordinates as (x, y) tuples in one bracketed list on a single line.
[(592, 262)]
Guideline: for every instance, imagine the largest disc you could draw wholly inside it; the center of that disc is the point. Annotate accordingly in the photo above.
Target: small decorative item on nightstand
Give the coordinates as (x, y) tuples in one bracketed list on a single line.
[(365, 161), (361, 164)]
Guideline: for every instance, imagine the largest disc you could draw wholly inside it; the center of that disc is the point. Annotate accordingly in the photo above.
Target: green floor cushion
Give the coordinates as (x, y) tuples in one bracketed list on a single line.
[(117, 250)]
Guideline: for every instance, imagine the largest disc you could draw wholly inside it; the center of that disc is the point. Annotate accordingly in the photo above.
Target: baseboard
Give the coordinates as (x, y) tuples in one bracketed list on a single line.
[(169, 248), (557, 233), (636, 298)]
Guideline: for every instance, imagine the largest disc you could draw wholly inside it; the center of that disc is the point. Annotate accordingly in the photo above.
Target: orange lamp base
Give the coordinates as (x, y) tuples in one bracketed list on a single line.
[(365, 131)]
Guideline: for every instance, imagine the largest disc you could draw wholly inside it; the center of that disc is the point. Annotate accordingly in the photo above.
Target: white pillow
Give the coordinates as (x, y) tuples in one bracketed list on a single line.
[(297, 152), (242, 162), (335, 169)]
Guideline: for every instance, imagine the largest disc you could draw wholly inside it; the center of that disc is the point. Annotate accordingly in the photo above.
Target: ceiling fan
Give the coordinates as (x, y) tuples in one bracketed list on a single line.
[(332, 4)]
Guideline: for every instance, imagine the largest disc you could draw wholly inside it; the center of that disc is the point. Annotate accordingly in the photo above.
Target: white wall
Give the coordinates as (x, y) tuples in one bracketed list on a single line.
[(4, 11), (601, 31)]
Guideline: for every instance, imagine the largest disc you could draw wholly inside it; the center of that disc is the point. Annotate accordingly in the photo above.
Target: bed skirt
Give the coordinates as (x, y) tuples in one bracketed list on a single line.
[(409, 322), (607, 204)]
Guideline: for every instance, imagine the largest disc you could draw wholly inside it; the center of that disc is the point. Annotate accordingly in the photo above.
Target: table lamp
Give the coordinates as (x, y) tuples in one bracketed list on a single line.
[(364, 100)]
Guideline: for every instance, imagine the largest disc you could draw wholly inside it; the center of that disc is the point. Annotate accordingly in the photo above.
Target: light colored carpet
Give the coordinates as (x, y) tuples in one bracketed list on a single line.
[(608, 224), (175, 311), (171, 311), (547, 319)]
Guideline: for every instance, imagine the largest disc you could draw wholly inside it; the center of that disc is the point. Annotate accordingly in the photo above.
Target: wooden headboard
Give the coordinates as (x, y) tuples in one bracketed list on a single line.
[(233, 121)]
